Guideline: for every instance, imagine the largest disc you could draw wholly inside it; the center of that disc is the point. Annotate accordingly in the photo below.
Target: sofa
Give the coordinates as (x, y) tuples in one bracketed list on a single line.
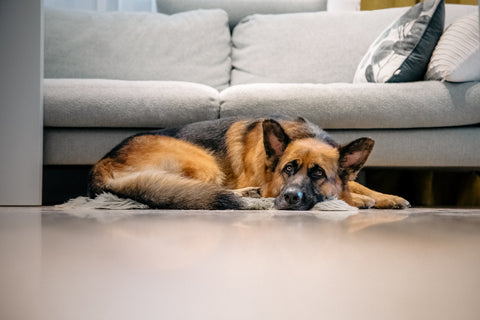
[(109, 75)]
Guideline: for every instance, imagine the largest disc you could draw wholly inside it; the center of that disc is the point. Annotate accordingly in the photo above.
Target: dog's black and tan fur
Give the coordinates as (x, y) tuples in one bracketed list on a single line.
[(209, 165)]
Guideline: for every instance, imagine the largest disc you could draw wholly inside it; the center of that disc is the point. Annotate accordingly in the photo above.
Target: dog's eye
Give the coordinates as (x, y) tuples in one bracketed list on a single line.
[(289, 169), (317, 172)]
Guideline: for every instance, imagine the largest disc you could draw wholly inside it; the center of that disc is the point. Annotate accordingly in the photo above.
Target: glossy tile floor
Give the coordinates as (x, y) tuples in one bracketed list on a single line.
[(410, 264)]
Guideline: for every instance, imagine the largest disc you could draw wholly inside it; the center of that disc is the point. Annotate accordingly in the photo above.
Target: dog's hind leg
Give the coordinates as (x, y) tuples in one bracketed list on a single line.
[(360, 194), (166, 173)]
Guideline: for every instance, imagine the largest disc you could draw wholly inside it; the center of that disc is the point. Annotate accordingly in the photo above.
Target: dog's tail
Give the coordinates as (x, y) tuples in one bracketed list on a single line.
[(163, 190)]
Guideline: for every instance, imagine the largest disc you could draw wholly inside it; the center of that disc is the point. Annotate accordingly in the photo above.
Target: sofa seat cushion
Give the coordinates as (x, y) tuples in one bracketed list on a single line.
[(134, 104), (360, 106), (190, 46)]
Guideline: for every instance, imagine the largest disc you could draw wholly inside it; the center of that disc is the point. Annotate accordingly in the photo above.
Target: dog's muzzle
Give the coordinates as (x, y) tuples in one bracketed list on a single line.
[(293, 198)]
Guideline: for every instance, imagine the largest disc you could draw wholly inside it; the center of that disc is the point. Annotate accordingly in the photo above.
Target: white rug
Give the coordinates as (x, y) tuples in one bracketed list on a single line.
[(112, 202)]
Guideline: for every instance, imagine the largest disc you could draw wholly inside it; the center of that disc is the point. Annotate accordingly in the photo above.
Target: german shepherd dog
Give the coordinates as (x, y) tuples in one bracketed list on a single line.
[(212, 164)]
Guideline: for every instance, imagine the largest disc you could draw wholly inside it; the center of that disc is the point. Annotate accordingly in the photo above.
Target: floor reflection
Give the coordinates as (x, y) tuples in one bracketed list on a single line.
[(408, 264)]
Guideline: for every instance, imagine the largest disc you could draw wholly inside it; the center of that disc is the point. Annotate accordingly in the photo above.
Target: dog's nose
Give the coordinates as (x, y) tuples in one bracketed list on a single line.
[(293, 195)]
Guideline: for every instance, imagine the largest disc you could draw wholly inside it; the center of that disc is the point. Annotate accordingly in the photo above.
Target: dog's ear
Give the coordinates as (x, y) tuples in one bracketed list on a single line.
[(275, 139), (353, 156)]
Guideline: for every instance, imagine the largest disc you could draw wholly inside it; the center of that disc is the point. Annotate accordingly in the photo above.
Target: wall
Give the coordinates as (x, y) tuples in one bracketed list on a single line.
[(105, 5), (382, 4), (21, 111)]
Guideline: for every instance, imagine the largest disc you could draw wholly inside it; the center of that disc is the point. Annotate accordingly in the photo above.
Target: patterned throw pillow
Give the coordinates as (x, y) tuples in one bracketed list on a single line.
[(402, 52), (457, 55)]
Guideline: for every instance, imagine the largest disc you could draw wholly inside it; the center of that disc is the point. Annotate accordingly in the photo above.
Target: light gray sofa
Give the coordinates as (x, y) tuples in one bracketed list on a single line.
[(110, 75)]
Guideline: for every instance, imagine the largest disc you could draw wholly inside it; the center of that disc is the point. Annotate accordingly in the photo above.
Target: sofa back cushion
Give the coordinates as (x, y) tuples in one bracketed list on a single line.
[(238, 9), (191, 46), (320, 47)]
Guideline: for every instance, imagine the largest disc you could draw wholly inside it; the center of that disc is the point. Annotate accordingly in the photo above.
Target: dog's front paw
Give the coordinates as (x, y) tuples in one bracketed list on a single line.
[(387, 201), (361, 201)]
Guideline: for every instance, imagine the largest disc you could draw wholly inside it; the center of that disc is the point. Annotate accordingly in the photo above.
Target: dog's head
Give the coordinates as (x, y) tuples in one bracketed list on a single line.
[(307, 171)]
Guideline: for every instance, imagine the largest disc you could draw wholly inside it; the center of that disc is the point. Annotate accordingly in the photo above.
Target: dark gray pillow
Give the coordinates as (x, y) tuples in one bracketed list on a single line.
[(402, 52)]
